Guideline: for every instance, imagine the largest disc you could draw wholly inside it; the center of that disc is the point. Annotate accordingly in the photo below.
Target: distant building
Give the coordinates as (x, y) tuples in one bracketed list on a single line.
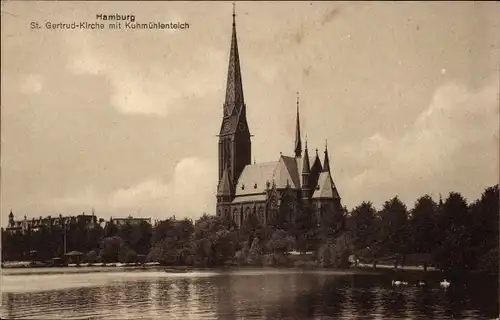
[(129, 220), (262, 189), (34, 224)]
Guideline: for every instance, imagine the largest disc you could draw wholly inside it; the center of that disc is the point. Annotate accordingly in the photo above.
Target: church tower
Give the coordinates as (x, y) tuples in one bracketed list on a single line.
[(234, 136)]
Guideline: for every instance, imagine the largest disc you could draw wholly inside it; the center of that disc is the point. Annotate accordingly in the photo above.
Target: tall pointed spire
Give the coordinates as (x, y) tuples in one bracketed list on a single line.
[(326, 163), (306, 169), (298, 142), (234, 102)]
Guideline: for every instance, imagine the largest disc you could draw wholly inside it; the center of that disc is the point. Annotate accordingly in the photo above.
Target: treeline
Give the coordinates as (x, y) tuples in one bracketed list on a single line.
[(108, 244), (454, 234)]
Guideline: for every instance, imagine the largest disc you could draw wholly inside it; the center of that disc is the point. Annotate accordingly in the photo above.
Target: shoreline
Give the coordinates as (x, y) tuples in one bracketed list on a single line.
[(186, 269)]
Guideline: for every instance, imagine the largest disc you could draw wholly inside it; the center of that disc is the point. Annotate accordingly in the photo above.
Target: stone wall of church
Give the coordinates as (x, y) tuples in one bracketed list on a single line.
[(242, 212)]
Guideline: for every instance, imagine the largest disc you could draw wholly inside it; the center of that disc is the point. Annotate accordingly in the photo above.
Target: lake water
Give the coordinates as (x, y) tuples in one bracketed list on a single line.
[(239, 294)]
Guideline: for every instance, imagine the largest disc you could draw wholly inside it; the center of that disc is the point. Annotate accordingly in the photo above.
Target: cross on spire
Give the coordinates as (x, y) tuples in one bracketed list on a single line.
[(234, 13)]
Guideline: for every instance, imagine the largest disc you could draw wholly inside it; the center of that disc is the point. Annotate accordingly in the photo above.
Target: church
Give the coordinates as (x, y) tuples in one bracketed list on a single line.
[(262, 190)]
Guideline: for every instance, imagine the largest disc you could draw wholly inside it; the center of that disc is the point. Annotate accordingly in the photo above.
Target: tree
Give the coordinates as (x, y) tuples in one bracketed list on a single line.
[(305, 229), (454, 251), (93, 237), (249, 228), (423, 225), (110, 248), (224, 245), (485, 218), (111, 229), (280, 242), (128, 255), (146, 232), (392, 233), (362, 224), (255, 252), (452, 254), (453, 211), (484, 215)]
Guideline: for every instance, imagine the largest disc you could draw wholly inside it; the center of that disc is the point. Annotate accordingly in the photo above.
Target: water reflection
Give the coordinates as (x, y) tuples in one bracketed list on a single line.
[(243, 295)]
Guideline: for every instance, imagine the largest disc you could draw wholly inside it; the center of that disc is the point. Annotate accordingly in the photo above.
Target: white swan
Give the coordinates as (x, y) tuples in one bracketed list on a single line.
[(396, 283), (404, 283), (421, 283), (444, 283)]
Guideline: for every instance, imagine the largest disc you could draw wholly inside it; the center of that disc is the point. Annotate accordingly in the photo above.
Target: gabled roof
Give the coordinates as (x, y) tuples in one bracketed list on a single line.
[(286, 173), (325, 188), (254, 178), (250, 198)]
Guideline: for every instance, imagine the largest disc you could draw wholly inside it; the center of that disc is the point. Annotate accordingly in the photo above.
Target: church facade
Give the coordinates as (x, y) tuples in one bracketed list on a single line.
[(261, 190)]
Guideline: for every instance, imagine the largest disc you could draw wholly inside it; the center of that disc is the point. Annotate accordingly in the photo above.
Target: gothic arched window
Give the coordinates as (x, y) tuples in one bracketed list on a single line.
[(236, 216), (261, 215), (247, 214)]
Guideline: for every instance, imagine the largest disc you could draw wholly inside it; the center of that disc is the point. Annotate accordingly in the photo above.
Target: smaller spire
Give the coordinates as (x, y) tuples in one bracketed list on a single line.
[(254, 161), (298, 142), (316, 167), (326, 163), (306, 169)]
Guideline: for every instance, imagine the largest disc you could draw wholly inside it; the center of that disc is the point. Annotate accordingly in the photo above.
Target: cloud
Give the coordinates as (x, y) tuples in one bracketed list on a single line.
[(87, 197), (189, 193), (330, 15), (155, 88), (31, 84), (453, 143)]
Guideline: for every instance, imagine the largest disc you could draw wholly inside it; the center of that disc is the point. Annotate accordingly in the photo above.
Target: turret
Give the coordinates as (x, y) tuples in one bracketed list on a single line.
[(11, 217), (326, 163), (306, 172), (316, 169)]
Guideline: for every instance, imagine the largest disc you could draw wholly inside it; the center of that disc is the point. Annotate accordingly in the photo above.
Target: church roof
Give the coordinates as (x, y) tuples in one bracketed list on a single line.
[(325, 188), (286, 173), (250, 198), (254, 178)]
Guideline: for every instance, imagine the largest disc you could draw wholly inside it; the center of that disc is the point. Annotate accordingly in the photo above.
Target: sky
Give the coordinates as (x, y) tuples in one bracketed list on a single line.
[(125, 121)]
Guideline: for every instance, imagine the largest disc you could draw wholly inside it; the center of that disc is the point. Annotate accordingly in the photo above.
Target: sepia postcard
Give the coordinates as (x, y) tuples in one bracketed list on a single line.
[(249, 160)]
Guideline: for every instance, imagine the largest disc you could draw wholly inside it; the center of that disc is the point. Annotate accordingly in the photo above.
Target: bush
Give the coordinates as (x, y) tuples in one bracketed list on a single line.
[(488, 263), (91, 256), (300, 264), (268, 260)]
